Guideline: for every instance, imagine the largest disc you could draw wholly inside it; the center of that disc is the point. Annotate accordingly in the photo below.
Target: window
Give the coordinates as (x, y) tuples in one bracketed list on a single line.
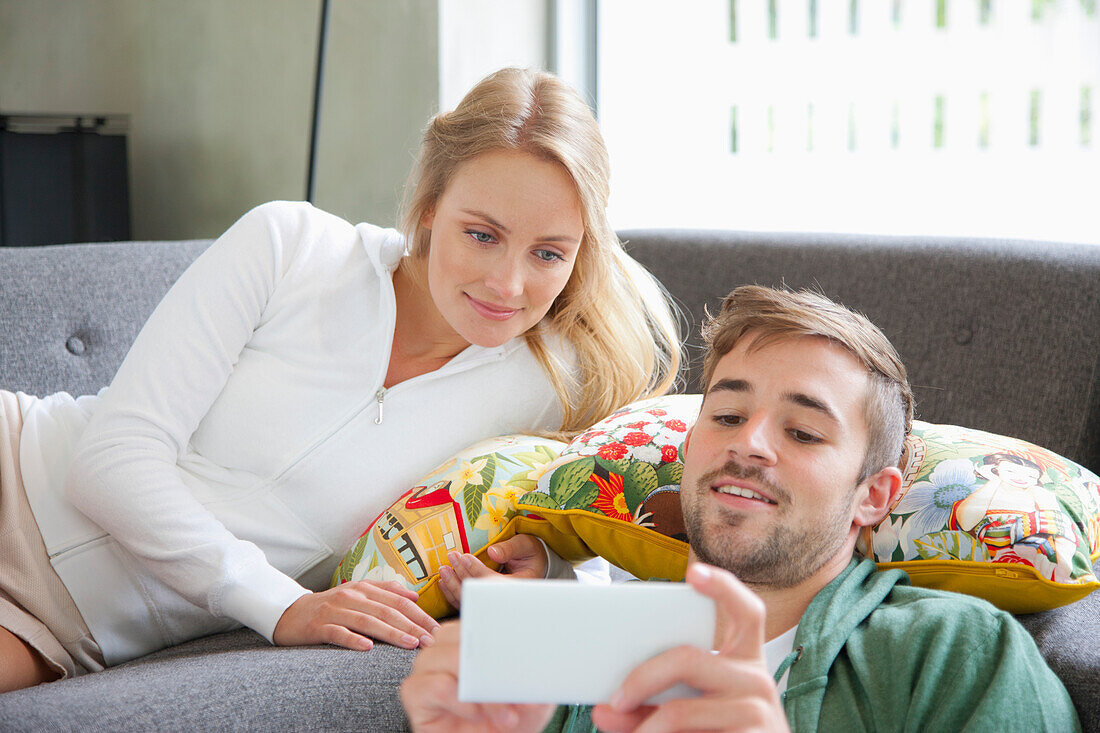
[(961, 117)]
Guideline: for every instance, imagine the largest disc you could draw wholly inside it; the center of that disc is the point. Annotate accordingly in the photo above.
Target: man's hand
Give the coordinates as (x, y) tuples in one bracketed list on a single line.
[(738, 692), (354, 614), (521, 556), (430, 696)]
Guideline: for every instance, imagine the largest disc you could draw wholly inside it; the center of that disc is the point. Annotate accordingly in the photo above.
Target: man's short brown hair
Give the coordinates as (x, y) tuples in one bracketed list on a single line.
[(772, 315)]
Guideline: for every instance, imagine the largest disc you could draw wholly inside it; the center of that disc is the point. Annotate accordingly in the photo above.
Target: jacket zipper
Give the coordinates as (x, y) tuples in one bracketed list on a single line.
[(443, 371), (379, 396)]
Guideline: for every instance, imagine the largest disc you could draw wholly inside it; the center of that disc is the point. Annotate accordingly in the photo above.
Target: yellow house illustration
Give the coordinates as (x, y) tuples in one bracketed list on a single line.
[(415, 537)]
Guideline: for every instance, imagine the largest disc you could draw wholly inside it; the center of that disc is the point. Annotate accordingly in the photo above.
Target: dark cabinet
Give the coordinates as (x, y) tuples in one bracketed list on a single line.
[(63, 179)]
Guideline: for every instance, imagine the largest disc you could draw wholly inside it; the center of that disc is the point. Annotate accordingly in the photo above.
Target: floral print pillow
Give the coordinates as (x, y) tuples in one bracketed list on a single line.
[(464, 506), (616, 487), (992, 516)]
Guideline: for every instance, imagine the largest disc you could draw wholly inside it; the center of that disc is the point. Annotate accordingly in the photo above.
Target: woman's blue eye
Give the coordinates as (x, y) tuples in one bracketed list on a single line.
[(483, 237), (547, 256)]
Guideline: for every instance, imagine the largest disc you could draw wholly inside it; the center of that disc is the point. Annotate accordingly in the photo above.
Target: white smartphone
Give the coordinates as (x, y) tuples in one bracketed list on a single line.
[(558, 641)]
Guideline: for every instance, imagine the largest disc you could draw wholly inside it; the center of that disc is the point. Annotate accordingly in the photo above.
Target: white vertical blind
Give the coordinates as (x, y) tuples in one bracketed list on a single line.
[(882, 116)]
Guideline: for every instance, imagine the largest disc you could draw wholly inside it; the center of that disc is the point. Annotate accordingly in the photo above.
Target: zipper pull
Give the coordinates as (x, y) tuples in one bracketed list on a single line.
[(378, 397)]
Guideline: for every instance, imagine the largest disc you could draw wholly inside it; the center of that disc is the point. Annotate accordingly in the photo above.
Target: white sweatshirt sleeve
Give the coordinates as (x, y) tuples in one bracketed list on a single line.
[(591, 572), (124, 475)]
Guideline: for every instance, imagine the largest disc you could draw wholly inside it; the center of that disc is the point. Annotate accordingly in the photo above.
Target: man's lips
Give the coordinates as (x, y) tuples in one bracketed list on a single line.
[(491, 310), (742, 489)]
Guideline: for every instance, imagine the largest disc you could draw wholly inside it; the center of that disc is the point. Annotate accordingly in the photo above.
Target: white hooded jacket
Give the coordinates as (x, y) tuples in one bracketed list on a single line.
[(242, 446)]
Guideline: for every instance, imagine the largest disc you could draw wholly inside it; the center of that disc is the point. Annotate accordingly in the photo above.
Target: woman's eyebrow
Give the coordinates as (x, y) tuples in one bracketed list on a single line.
[(486, 217), (493, 222)]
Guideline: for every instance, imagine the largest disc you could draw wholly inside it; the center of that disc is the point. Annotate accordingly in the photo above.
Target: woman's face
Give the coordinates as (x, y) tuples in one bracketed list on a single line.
[(504, 240)]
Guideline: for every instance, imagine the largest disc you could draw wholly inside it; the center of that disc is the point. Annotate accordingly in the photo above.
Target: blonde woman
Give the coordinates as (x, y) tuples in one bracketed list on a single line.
[(301, 374)]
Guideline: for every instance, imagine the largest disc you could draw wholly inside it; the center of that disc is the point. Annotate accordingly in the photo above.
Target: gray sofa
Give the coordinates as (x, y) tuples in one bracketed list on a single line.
[(999, 335)]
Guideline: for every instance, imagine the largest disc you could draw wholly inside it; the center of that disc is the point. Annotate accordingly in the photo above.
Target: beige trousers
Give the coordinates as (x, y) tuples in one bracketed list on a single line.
[(34, 604)]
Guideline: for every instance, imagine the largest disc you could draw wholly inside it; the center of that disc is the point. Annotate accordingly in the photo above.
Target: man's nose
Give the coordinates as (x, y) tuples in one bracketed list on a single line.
[(754, 442)]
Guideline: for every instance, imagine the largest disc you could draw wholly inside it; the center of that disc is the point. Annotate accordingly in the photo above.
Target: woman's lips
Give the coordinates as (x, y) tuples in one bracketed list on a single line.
[(490, 311)]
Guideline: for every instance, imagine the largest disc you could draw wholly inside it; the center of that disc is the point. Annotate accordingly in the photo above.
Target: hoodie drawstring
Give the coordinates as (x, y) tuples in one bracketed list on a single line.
[(788, 660)]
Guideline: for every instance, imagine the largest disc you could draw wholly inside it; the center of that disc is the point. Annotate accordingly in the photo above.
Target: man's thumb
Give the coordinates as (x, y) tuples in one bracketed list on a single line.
[(499, 553)]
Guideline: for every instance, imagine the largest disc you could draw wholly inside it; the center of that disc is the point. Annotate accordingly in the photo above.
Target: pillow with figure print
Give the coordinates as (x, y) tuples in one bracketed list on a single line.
[(991, 516), (464, 505)]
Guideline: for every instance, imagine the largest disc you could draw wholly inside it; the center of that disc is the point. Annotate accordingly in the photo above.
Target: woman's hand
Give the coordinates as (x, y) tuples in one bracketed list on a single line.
[(738, 693), (430, 696), (353, 615), (521, 556)]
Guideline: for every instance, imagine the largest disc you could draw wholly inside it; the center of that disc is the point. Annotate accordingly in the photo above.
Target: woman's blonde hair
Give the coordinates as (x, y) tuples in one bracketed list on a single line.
[(615, 314)]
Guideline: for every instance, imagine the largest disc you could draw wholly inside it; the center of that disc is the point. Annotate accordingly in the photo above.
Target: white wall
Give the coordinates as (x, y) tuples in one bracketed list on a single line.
[(477, 37)]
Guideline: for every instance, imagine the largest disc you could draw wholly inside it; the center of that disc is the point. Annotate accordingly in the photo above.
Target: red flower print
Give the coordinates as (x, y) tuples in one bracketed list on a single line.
[(590, 435), (1008, 556), (636, 439), (611, 501), (637, 425), (677, 425), (612, 451), (668, 453), (657, 412)]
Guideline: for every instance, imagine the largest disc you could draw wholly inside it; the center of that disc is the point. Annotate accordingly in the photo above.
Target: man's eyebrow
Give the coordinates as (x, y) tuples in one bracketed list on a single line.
[(798, 398), (814, 404), (501, 227), (730, 385)]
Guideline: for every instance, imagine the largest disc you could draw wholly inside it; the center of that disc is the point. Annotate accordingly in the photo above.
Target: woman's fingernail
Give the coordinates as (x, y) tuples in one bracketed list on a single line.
[(616, 700), (409, 641), (426, 640)]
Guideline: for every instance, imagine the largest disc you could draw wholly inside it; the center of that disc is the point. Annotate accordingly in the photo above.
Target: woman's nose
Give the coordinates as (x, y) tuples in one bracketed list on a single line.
[(505, 279)]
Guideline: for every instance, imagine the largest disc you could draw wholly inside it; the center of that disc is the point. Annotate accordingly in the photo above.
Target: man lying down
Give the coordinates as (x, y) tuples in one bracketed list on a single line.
[(805, 413)]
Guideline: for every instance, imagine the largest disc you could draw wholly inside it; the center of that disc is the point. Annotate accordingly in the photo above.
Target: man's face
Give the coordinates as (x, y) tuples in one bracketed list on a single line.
[(770, 467)]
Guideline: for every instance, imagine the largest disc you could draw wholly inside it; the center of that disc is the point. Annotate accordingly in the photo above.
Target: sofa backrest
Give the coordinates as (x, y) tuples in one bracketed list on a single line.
[(997, 335), (68, 313), (1002, 336)]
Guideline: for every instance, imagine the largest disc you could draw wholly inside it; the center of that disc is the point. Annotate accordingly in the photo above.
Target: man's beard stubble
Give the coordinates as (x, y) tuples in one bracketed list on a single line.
[(786, 557)]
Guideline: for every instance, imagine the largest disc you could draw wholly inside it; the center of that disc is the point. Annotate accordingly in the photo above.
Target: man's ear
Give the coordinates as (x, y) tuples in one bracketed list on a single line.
[(687, 437), (877, 495)]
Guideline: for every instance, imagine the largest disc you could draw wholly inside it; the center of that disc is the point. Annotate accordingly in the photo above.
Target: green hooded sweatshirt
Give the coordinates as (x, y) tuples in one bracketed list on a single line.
[(877, 654)]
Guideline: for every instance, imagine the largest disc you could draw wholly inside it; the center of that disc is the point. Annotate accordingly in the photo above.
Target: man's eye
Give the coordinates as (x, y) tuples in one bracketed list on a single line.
[(803, 437), (547, 255), (729, 420), (483, 237)]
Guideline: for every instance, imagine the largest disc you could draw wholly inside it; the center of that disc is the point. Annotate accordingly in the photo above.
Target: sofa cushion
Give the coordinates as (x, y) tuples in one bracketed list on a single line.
[(230, 681), (1068, 640)]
